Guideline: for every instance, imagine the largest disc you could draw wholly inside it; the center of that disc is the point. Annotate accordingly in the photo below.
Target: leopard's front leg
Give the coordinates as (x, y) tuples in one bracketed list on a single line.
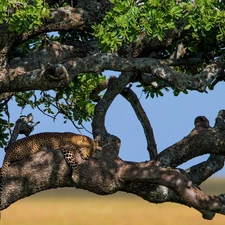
[(70, 157)]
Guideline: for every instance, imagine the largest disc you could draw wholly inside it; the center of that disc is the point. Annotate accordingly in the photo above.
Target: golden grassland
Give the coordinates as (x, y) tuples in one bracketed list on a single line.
[(69, 206)]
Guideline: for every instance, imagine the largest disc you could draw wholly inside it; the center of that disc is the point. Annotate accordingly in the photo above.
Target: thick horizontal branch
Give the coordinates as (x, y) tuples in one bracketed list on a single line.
[(48, 169), (159, 68), (100, 62), (104, 173)]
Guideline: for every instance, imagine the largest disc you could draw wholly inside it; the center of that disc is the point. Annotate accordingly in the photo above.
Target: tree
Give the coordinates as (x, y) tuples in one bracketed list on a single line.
[(52, 55)]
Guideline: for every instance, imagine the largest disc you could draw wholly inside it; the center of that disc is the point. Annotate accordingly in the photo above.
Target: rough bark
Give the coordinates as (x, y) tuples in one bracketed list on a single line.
[(141, 115), (56, 64), (57, 70), (106, 173)]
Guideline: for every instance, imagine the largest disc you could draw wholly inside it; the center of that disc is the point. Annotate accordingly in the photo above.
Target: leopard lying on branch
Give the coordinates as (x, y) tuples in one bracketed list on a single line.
[(72, 145)]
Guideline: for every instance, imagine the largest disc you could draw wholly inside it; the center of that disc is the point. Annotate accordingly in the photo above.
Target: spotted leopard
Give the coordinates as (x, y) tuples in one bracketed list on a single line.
[(71, 145)]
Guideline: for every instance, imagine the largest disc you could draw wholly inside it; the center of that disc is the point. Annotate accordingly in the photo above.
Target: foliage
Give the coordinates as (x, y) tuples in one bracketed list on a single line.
[(130, 18), (73, 102), (27, 15), (3, 132), (77, 97), (200, 22), (4, 124)]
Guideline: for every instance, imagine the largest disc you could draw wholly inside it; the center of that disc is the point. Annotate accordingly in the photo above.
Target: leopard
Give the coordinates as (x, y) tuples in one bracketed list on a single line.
[(71, 145)]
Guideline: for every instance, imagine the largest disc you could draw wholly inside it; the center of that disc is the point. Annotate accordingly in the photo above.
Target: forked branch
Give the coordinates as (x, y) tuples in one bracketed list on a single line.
[(200, 141), (131, 97), (174, 180)]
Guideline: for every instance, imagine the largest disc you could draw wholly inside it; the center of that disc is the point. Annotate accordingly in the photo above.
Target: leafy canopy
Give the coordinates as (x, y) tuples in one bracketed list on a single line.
[(25, 16), (201, 21), (128, 19), (73, 102)]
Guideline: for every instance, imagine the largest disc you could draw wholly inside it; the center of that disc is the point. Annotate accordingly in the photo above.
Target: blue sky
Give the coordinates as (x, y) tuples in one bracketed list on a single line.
[(171, 117)]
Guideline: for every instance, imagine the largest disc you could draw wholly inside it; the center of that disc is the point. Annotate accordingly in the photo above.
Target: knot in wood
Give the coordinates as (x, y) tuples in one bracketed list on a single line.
[(201, 122)]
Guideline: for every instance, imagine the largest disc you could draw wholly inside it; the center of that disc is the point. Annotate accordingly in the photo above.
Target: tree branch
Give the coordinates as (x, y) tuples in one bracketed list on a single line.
[(175, 181), (64, 18), (128, 94), (101, 87), (201, 140), (202, 171), (98, 63), (104, 173), (115, 87), (24, 125)]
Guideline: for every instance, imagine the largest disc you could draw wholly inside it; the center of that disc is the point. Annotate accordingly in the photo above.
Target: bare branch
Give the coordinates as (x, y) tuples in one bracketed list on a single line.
[(202, 171), (24, 125), (128, 94), (214, 163), (201, 140), (98, 63)]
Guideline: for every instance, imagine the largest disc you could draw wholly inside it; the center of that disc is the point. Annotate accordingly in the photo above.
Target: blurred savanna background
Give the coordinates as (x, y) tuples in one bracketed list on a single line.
[(71, 206)]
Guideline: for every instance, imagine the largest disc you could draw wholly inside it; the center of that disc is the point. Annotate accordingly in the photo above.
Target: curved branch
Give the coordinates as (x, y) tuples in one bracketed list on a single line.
[(128, 94), (214, 163), (198, 142), (64, 18), (115, 87), (161, 194), (202, 171), (177, 182)]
